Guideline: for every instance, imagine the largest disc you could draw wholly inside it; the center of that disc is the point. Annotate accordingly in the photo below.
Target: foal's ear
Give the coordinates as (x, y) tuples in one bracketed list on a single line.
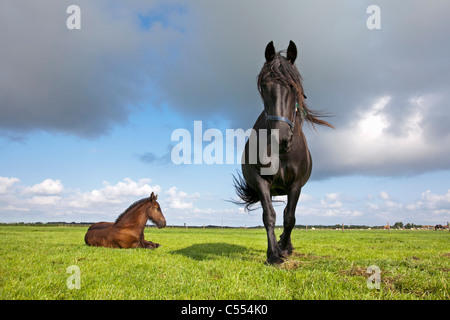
[(270, 52), (291, 52), (152, 197)]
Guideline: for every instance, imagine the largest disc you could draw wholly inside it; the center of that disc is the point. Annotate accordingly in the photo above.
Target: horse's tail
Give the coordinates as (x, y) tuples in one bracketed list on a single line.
[(247, 194)]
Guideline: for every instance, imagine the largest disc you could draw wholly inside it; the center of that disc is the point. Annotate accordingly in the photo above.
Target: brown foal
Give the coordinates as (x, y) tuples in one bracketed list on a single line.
[(128, 230)]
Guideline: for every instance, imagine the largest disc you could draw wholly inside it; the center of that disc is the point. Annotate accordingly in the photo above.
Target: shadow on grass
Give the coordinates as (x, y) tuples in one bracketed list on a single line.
[(208, 251)]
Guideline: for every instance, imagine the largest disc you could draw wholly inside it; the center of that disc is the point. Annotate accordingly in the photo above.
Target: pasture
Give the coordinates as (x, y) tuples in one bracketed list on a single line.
[(224, 264)]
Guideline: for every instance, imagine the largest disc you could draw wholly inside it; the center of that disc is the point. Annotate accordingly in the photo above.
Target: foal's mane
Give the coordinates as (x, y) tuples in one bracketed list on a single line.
[(130, 208), (282, 71)]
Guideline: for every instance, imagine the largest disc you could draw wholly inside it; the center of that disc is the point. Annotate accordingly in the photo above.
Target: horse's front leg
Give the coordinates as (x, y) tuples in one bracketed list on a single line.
[(274, 254), (289, 220), (151, 245), (147, 244)]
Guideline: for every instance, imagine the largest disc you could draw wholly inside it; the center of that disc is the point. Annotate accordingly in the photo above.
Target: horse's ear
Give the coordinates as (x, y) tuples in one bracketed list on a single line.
[(291, 52), (152, 196), (156, 197), (270, 52)]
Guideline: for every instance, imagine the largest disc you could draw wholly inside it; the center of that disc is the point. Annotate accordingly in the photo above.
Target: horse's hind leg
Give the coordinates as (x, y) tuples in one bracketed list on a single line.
[(289, 220)]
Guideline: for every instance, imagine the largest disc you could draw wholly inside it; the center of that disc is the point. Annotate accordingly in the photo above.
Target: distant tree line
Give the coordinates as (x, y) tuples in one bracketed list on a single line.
[(397, 225)]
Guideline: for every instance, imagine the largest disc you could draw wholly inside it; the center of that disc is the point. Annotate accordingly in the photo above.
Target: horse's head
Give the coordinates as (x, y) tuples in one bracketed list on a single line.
[(279, 84), (155, 213)]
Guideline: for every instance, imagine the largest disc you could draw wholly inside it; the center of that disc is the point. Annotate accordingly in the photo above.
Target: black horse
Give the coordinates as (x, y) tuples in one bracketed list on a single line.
[(279, 136)]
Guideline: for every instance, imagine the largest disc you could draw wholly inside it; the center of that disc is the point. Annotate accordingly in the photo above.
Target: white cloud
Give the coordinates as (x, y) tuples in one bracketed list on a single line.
[(304, 197), (46, 187), (436, 199), (384, 195), (373, 144), (180, 199), (107, 202), (6, 183), (44, 201), (50, 198), (372, 122), (128, 187), (119, 193), (332, 196), (335, 208), (433, 202)]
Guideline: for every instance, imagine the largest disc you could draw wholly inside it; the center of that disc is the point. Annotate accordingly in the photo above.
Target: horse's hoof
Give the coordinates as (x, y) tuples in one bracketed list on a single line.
[(274, 260), (285, 253), (285, 250)]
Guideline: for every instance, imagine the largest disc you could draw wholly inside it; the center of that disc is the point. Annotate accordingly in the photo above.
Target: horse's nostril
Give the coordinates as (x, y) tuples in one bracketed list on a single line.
[(162, 224)]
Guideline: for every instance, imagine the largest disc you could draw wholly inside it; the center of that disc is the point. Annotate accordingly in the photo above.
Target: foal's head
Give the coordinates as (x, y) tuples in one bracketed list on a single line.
[(154, 212)]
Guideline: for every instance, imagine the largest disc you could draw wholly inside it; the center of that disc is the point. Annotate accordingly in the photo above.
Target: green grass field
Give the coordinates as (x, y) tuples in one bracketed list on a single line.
[(224, 264)]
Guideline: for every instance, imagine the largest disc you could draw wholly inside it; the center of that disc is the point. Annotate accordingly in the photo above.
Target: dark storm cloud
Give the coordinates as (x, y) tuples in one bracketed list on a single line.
[(81, 82), (201, 58)]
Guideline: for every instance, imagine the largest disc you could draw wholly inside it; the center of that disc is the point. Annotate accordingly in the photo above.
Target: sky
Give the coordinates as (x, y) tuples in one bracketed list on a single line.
[(87, 115)]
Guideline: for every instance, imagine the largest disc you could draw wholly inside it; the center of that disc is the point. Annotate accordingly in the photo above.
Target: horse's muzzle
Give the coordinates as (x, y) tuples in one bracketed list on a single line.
[(161, 223)]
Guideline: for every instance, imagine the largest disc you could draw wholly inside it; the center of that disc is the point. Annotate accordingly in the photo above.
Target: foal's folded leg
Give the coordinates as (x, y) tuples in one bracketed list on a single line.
[(150, 245)]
